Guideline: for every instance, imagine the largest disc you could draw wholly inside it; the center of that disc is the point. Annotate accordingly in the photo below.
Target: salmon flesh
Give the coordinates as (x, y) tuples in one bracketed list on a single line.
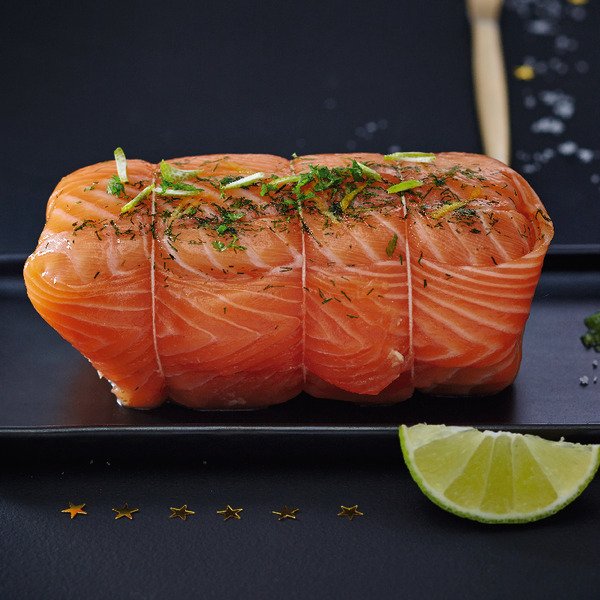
[(239, 281)]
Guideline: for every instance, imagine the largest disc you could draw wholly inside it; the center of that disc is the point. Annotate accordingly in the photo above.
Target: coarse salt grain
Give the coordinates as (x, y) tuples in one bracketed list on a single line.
[(567, 148), (585, 155), (548, 125), (541, 27), (562, 104)]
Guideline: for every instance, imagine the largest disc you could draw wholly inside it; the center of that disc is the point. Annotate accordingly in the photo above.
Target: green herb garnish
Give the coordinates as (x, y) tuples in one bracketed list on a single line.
[(115, 187), (391, 247), (233, 244), (591, 339)]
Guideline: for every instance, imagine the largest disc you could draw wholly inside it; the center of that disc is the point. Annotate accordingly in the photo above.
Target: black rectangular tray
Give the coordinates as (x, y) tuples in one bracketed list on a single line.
[(51, 396)]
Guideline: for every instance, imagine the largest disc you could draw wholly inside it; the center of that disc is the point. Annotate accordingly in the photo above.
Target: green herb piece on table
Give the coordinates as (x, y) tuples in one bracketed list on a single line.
[(591, 339)]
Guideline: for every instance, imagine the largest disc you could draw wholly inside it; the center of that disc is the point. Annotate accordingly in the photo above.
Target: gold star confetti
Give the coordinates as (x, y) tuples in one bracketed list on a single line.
[(286, 513), (524, 72), (75, 509), (230, 513), (125, 511), (182, 512), (350, 512)]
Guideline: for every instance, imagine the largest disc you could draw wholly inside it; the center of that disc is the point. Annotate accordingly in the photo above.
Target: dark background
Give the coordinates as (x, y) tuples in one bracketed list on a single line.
[(177, 78), (172, 79)]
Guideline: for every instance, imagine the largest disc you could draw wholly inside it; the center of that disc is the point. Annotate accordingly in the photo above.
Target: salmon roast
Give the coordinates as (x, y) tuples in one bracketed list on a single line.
[(241, 280)]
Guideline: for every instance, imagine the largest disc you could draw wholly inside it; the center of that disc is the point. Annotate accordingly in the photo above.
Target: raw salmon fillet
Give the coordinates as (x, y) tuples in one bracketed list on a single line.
[(239, 281)]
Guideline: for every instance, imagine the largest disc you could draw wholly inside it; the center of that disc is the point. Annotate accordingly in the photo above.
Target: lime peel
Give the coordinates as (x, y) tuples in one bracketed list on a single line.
[(178, 193), (404, 185), (121, 162), (496, 476), (244, 181), (368, 172), (172, 173), (422, 157), (141, 196)]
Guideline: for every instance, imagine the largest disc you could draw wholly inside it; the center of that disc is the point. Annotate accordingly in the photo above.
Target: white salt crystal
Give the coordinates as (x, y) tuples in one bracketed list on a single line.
[(567, 148), (541, 27), (548, 125), (585, 155)]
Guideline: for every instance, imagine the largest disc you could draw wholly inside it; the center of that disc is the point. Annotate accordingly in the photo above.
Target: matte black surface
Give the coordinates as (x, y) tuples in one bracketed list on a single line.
[(170, 79), (49, 388), (63, 439), (402, 547)]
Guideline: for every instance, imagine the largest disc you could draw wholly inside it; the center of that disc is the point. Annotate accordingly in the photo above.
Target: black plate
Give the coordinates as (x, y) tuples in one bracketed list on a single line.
[(50, 392)]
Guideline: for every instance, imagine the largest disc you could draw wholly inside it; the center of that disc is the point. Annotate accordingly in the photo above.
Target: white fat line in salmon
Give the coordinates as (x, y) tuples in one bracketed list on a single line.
[(154, 317), (304, 289)]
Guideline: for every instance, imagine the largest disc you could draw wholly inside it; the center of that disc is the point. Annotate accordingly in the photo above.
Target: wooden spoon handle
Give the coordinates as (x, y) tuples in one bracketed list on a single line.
[(490, 88)]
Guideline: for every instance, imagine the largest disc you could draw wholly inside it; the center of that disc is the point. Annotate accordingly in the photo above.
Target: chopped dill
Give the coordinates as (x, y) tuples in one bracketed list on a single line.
[(114, 186), (391, 246)]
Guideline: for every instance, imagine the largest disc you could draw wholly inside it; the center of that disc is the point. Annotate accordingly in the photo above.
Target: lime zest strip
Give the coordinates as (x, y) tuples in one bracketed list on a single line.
[(133, 203), (368, 171), (446, 208), (347, 199), (404, 185), (178, 193), (283, 180), (423, 157), (288, 179), (121, 161), (173, 173), (244, 181)]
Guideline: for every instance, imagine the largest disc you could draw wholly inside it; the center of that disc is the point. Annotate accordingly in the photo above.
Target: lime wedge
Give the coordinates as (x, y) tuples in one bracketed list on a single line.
[(496, 476)]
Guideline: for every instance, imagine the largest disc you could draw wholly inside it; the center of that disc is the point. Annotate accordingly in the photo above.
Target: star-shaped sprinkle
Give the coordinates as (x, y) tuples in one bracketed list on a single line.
[(182, 512), (125, 511), (350, 512), (286, 513), (74, 510), (230, 513)]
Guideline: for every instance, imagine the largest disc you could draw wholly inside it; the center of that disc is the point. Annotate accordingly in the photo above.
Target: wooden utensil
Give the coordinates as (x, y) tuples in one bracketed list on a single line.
[(489, 78)]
